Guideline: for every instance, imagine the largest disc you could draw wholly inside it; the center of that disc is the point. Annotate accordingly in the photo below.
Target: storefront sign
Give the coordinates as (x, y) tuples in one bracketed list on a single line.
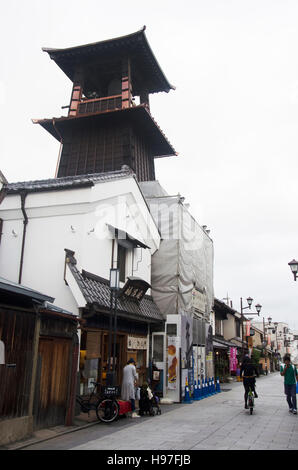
[(173, 342), (233, 359), (136, 343), (135, 288)]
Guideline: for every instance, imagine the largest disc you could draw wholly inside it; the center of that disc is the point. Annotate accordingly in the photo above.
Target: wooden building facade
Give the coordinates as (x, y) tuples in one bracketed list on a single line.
[(38, 362)]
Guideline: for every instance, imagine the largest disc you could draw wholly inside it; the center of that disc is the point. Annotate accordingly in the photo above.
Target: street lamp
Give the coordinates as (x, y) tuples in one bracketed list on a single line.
[(294, 268), (114, 287), (249, 304)]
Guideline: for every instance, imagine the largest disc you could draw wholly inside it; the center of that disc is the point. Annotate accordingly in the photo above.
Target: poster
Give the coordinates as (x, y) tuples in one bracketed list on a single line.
[(186, 340), (172, 362), (233, 359)]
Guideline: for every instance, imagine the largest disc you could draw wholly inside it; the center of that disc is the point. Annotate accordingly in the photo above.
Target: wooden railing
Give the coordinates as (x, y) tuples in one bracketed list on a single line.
[(98, 105)]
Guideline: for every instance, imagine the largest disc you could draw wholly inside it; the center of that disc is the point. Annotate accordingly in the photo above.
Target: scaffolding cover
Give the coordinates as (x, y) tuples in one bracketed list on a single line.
[(184, 260)]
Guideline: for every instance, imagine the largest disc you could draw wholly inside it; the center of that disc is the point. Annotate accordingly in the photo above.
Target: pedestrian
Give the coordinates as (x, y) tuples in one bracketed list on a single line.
[(129, 381), (249, 371), (289, 372)]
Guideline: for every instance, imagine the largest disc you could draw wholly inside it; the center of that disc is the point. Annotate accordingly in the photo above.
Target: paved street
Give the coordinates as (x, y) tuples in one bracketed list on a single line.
[(218, 422)]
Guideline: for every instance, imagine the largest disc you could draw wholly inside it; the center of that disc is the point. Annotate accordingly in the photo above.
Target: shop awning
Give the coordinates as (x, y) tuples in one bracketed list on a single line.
[(223, 344), (217, 345), (124, 238)]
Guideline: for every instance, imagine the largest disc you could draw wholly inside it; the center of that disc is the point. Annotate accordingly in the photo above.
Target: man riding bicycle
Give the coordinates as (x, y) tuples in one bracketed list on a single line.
[(249, 371)]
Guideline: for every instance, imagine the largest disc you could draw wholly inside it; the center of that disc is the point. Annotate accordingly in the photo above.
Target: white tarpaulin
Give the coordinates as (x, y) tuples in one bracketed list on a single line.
[(185, 256)]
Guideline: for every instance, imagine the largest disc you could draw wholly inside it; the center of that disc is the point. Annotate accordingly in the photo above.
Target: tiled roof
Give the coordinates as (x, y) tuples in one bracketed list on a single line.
[(97, 291), (68, 182), (135, 43)]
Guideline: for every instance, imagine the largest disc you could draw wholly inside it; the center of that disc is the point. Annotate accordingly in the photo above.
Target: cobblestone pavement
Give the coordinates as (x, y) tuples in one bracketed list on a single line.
[(218, 422)]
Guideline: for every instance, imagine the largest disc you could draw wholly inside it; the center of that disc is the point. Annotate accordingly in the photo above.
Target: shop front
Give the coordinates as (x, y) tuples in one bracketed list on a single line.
[(226, 359), (130, 343), (113, 334)]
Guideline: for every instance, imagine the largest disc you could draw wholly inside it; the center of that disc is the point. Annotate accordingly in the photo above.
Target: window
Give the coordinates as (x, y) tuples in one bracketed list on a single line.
[(237, 325), (218, 326), (158, 348), (171, 329), (122, 263)]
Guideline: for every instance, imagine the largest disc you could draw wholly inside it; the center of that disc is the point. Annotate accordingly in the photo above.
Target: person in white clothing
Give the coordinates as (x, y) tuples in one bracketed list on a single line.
[(129, 380)]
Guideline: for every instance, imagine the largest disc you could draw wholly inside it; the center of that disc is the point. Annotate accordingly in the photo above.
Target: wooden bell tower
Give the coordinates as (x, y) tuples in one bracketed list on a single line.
[(105, 127)]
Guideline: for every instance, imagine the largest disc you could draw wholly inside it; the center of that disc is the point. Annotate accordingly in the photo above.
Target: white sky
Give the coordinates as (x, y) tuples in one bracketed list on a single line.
[(233, 118)]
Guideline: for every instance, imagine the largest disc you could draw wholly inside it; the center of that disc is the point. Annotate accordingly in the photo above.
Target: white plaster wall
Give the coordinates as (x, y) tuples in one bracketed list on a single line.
[(74, 219), (229, 329)]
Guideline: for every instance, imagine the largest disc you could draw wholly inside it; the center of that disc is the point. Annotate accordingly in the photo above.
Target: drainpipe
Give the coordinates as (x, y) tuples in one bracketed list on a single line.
[(25, 222)]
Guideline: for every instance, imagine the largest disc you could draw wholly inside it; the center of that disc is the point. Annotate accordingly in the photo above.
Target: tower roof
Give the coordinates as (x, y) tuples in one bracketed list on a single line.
[(145, 68), (138, 116)]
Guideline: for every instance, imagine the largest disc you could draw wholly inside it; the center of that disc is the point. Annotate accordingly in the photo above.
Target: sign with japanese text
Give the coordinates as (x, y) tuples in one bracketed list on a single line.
[(134, 342)]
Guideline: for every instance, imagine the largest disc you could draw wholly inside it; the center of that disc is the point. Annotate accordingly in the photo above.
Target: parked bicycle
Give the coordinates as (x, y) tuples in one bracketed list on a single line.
[(104, 403)]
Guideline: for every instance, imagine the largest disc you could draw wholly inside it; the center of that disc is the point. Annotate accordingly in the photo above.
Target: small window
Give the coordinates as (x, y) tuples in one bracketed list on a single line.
[(158, 348), (171, 329), (237, 324), (122, 263)]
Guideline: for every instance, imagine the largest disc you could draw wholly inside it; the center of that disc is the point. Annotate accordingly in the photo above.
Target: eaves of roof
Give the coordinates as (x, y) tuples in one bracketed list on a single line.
[(137, 42), (97, 293), (20, 290), (67, 182)]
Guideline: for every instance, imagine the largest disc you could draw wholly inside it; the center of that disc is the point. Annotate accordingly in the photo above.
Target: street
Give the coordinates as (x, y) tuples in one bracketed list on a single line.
[(219, 422)]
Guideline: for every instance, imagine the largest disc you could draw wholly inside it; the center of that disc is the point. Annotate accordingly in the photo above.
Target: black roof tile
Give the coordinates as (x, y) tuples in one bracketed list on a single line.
[(97, 292)]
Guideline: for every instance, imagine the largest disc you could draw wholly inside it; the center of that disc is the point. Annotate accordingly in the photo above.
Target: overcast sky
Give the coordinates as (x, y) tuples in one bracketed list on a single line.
[(233, 118)]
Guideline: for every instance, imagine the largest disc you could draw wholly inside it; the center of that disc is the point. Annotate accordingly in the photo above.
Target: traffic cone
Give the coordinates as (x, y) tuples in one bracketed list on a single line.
[(218, 390), (203, 388), (210, 387), (199, 390), (195, 392), (187, 398), (213, 386), (207, 387)]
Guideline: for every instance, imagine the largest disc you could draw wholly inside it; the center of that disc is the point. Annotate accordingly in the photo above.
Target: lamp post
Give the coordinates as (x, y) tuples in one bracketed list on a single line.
[(249, 304), (294, 268), (114, 287)]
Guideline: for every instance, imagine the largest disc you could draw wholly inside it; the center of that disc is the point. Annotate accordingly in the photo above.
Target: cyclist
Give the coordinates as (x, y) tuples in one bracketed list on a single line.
[(249, 371)]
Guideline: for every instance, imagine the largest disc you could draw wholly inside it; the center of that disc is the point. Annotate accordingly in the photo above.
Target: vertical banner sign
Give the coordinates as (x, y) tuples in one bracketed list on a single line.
[(172, 362), (233, 359), (247, 333), (268, 339)]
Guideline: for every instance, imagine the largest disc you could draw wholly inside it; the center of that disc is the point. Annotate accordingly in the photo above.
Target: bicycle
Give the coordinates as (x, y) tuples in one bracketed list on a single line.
[(251, 401), (105, 405)]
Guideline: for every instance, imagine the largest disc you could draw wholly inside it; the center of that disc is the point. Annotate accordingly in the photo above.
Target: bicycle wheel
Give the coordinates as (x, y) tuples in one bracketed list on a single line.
[(84, 406), (107, 410)]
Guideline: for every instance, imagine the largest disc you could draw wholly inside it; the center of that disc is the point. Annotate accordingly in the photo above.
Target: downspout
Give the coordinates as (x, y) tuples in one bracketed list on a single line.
[(25, 222)]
